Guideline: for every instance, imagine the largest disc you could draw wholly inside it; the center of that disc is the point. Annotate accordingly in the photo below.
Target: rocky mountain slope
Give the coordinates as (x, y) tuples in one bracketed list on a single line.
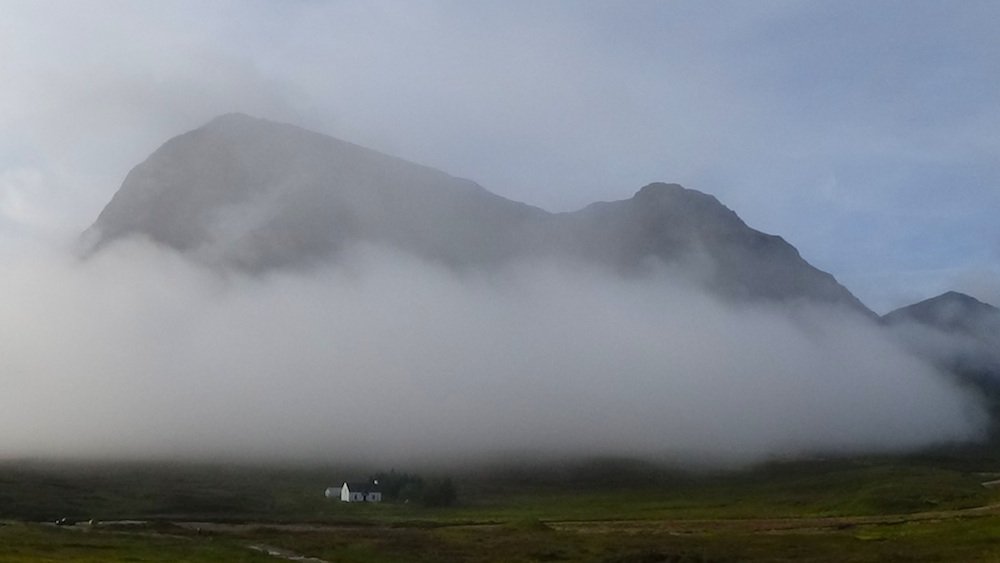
[(253, 194)]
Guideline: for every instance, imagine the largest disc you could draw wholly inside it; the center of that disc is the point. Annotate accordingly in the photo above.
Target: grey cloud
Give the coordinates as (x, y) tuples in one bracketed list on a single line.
[(139, 353)]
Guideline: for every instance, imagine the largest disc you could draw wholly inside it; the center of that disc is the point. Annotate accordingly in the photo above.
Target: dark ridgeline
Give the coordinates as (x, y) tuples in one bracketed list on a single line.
[(257, 195), (952, 312)]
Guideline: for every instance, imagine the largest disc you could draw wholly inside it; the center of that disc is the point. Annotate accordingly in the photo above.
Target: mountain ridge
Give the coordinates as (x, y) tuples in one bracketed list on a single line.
[(257, 195), (950, 308)]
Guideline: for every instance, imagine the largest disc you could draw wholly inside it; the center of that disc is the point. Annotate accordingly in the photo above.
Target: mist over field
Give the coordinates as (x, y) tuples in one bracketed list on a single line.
[(139, 352)]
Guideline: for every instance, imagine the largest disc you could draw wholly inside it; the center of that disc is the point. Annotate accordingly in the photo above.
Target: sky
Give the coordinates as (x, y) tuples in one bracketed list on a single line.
[(865, 133)]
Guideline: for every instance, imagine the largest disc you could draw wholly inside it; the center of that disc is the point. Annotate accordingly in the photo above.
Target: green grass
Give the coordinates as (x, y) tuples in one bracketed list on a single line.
[(27, 543), (970, 540), (44, 492), (608, 512), (820, 489)]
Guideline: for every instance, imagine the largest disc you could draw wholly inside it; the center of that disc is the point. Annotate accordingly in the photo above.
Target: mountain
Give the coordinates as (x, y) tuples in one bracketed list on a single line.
[(677, 225), (951, 312), (956, 331), (256, 195)]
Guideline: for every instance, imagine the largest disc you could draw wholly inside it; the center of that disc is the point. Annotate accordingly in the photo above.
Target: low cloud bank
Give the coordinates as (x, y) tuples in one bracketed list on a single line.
[(138, 352)]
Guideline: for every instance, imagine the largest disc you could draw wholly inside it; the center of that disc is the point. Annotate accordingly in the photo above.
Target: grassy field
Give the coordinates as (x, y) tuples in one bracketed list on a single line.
[(26, 543), (607, 511)]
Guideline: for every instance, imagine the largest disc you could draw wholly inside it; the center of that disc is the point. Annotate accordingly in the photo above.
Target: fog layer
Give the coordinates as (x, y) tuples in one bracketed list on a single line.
[(137, 352)]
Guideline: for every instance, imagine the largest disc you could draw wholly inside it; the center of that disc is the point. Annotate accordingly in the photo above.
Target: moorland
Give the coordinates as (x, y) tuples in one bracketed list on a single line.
[(928, 507)]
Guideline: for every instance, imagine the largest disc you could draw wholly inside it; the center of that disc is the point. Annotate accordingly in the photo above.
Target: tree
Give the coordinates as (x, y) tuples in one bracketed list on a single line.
[(439, 492), (398, 486)]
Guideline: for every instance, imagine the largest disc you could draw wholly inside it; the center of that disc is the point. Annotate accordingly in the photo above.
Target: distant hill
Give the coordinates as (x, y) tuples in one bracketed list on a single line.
[(252, 194), (956, 331), (952, 312)]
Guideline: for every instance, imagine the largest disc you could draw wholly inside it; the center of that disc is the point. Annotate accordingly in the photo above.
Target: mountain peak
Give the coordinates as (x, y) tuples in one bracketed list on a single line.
[(684, 202), (238, 125), (233, 118), (258, 194), (949, 311), (958, 297), (657, 189), (664, 192), (957, 303)]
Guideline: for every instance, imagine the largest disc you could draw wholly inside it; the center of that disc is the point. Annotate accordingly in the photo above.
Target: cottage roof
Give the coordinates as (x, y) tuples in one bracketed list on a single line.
[(361, 487)]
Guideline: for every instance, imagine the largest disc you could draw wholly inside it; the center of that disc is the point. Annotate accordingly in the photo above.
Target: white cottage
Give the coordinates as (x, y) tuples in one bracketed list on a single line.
[(357, 492)]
